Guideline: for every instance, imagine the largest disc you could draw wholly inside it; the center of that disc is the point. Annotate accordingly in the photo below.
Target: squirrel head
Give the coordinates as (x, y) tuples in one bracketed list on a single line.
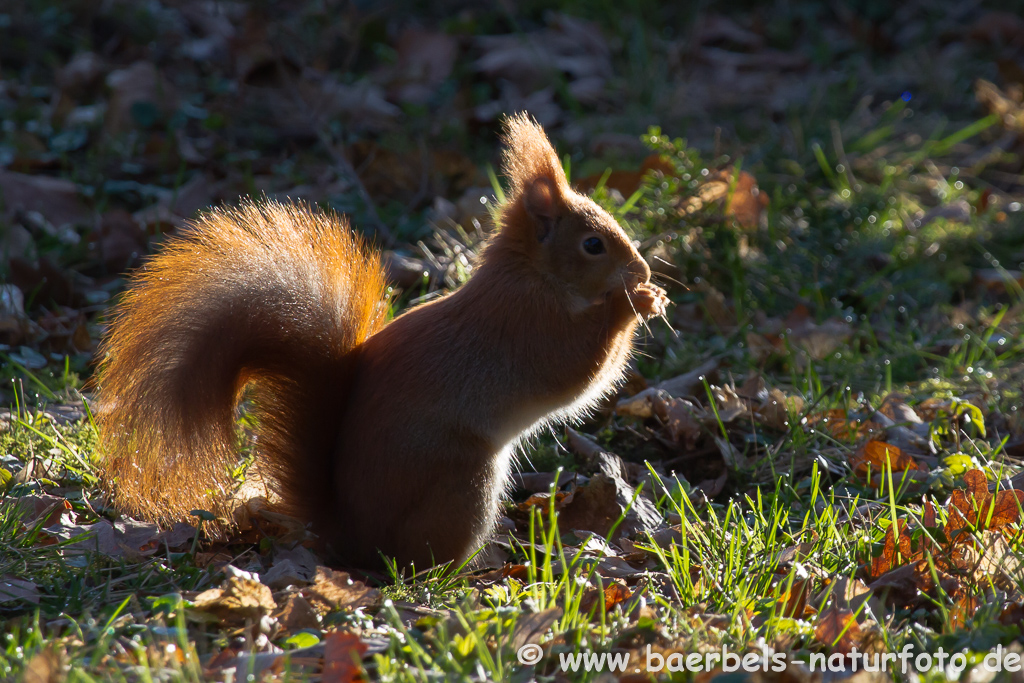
[(565, 235)]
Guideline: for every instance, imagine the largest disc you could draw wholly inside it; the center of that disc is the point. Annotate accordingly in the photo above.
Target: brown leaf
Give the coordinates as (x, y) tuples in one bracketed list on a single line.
[(775, 408), (238, 599), (138, 85), (1005, 509), (793, 600), (965, 604), (39, 508), (682, 422), (531, 628), (928, 516), (297, 614), (746, 203), (692, 382), (343, 654), (976, 507), (627, 182), (47, 282), (614, 594), (895, 552), (124, 538), (853, 593), (998, 28), (877, 458), (120, 241), (899, 586), (836, 423), (722, 314), (604, 499), (13, 589), (838, 629), (55, 198), (543, 501), (716, 29), (336, 590), (1012, 614), (425, 60), (519, 572), (45, 667), (541, 482)]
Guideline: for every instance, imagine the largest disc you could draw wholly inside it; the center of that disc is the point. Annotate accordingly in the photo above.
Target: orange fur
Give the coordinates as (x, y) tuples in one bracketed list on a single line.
[(391, 439)]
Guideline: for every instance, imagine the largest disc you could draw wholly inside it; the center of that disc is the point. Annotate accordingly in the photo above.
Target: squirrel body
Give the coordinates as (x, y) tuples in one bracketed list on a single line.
[(389, 438)]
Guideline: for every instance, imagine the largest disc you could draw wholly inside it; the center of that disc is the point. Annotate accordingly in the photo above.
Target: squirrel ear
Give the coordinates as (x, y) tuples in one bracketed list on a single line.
[(542, 203), (529, 157)]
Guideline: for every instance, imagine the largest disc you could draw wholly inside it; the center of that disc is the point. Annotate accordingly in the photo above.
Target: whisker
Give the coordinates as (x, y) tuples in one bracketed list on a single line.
[(655, 276), (638, 316), (668, 324)]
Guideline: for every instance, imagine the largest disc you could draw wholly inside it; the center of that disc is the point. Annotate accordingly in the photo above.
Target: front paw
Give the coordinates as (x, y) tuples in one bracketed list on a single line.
[(648, 301)]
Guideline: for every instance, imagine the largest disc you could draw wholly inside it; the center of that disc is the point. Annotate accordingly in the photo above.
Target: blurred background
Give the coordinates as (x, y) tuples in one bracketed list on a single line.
[(850, 161)]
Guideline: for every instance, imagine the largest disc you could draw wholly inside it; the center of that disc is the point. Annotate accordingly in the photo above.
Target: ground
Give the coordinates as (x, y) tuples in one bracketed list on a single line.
[(817, 452)]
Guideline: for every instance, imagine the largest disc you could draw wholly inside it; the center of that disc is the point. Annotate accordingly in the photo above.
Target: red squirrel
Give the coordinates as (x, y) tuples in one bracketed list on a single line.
[(391, 438)]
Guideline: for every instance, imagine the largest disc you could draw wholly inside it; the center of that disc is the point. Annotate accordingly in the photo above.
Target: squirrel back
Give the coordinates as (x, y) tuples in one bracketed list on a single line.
[(393, 439)]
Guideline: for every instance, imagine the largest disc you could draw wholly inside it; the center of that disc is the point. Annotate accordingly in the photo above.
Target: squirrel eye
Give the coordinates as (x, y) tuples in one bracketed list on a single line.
[(593, 246)]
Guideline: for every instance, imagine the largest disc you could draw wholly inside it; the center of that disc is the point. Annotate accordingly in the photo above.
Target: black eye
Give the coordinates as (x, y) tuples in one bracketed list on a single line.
[(593, 246)]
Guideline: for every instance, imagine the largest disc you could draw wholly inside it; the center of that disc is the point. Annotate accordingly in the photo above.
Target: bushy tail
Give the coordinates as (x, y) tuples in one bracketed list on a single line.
[(271, 296)]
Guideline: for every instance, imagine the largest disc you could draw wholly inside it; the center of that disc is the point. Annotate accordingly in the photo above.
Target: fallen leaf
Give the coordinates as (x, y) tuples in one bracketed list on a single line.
[(533, 626), (47, 282), (605, 499), (746, 203), (836, 422), (140, 96), (896, 550), (425, 61), (877, 458), (123, 538), (1008, 109), (838, 629), (543, 501), (721, 313), (333, 590), (45, 667), (343, 654), (541, 482), (628, 182), (56, 199), (615, 593), (978, 508), (691, 383), (13, 589), (682, 421), (236, 600), (39, 508), (965, 604), (292, 566), (297, 614), (793, 599), (775, 409)]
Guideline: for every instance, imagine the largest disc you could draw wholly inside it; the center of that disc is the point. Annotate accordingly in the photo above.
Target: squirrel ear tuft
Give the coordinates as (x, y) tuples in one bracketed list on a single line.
[(529, 157)]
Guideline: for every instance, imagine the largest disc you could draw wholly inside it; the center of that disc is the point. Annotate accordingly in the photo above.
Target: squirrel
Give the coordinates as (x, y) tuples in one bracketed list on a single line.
[(386, 438)]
